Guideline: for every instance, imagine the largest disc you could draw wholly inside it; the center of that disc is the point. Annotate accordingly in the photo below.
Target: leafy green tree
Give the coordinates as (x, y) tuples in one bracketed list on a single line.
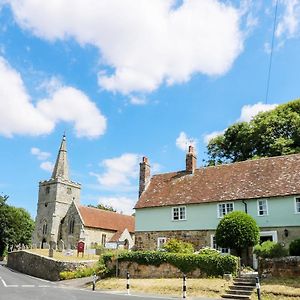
[(16, 226), (271, 133), (237, 230), (103, 206), (177, 246)]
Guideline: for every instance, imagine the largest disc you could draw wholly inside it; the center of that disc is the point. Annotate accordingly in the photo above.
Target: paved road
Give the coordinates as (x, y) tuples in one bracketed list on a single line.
[(17, 286)]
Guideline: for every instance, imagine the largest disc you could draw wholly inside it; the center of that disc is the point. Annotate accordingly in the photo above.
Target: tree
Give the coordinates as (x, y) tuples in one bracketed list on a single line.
[(16, 226), (237, 230), (103, 206), (271, 133), (178, 246)]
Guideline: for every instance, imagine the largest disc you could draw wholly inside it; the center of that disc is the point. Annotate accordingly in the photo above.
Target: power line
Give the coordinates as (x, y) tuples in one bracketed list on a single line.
[(271, 53)]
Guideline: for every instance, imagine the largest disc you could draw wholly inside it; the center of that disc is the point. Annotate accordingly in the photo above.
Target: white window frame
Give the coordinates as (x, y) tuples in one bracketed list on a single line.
[(224, 203), (270, 233), (297, 205), (160, 242), (266, 212), (179, 217), (213, 245)]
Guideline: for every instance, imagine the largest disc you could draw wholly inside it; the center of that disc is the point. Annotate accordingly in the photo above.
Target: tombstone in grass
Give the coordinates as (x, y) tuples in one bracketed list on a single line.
[(80, 248), (61, 246)]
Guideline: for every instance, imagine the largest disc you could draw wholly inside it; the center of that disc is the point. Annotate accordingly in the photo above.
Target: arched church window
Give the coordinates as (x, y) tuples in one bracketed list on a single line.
[(71, 225), (45, 228)]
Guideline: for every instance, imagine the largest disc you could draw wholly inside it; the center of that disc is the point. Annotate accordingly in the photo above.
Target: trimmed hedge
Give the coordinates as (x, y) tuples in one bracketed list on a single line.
[(295, 247), (270, 249), (211, 265)]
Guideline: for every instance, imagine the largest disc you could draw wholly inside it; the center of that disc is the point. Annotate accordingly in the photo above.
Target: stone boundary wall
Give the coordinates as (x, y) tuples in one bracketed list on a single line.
[(42, 266), (164, 270), (279, 267)]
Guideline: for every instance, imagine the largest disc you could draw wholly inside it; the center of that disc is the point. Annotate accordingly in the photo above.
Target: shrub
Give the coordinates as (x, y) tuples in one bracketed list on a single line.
[(209, 251), (295, 248), (237, 230), (177, 246), (270, 249), (211, 265)]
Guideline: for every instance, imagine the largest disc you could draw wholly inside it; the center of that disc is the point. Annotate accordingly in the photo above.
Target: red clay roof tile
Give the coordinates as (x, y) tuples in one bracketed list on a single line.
[(266, 177), (99, 218)]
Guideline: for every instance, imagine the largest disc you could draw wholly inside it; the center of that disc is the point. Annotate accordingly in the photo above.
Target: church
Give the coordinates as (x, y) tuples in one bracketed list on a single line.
[(62, 221)]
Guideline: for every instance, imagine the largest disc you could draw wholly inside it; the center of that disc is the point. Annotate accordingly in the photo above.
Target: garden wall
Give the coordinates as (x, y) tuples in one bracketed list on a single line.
[(42, 266), (279, 267), (164, 270)]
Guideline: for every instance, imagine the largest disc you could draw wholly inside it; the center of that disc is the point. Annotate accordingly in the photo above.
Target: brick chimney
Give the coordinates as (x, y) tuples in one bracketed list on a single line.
[(190, 161), (144, 175)]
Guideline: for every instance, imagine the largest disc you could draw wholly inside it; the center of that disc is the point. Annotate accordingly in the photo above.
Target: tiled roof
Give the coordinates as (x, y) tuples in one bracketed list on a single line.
[(116, 237), (266, 177), (104, 219)]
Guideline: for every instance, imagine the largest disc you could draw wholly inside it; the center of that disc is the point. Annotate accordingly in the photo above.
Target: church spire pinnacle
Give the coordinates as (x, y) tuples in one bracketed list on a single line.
[(61, 168)]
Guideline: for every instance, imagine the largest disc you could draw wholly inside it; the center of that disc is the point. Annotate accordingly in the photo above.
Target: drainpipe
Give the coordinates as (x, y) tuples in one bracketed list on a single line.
[(246, 207)]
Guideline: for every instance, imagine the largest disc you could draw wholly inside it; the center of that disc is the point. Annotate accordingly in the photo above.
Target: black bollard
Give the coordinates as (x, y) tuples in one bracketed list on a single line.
[(184, 286), (258, 288), (128, 284)]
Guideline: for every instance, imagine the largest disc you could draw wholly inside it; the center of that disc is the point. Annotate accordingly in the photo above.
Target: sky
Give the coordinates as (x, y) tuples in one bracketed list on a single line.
[(125, 79)]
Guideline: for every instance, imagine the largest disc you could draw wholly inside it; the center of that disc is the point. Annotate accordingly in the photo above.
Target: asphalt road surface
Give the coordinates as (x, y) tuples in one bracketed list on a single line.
[(18, 286)]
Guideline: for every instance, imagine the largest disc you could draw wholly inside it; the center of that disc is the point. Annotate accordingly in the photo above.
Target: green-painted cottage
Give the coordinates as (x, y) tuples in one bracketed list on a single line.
[(189, 204)]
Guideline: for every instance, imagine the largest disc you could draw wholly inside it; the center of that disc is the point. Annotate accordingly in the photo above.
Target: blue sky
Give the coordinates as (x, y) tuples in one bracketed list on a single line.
[(132, 78)]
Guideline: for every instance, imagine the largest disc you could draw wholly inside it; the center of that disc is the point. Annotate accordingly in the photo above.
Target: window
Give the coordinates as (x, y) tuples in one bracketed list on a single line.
[(71, 225), (160, 242), (214, 246), (297, 205), (45, 228), (47, 189), (178, 213), (103, 239), (69, 190), (262, 207), (224, 209)]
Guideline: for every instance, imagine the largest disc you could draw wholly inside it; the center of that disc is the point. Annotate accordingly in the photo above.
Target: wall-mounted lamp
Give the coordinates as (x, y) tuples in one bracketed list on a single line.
[(286, 233)]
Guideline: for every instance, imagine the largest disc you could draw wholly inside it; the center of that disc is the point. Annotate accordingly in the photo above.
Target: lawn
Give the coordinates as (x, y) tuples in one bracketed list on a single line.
[(272, 289), (63, 257)]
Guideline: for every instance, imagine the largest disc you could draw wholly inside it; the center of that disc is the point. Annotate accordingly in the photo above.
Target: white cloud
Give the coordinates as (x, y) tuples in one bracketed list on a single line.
[(137, 100), (120, 171), (183, 141), (121, 204), (47, 166), (39, 154), (289, 23), (145, 43), (209, 136), (249, 111), (65, 104)]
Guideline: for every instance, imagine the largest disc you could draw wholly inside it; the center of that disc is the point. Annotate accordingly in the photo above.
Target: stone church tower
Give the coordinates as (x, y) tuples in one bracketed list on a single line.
[(55, 197)]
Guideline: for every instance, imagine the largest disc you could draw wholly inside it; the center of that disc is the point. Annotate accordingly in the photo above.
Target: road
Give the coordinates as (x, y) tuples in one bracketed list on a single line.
[(17, 286)]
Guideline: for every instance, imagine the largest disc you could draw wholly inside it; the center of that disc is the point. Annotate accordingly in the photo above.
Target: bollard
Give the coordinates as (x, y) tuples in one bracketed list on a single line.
[(94, 281), (184, 286), (128, 284), (258, 288)]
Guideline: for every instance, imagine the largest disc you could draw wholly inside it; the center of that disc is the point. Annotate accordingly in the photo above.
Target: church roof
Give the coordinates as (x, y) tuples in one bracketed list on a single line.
[(61, 168), (252, 179), (104, 219)]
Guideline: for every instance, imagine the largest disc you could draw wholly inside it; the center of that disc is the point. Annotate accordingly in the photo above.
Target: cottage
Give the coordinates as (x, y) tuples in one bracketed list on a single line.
[(189, 204)]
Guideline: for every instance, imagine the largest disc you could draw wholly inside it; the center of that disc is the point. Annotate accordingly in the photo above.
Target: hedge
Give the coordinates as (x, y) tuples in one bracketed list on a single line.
[(211, 265)]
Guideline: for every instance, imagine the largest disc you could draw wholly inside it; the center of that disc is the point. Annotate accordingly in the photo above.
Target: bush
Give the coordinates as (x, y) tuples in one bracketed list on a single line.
[(177, 246), (237, 230), (211, 265), (270, 249), (209, 251), (295, 248)]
